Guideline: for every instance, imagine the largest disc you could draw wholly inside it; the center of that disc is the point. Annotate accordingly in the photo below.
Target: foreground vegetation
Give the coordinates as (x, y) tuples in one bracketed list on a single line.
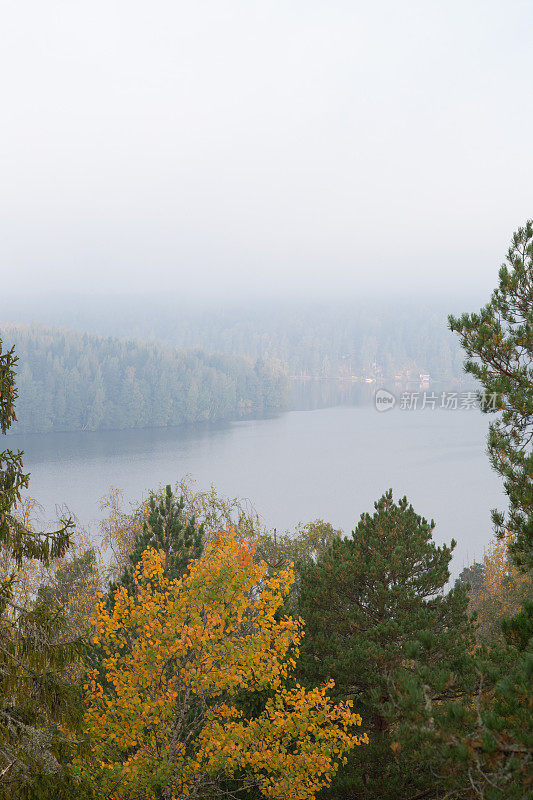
[(196, 655)]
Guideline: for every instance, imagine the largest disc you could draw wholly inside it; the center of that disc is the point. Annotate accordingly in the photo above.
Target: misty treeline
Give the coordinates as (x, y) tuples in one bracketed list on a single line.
[(69, 381), (337, 340), (365, 338)]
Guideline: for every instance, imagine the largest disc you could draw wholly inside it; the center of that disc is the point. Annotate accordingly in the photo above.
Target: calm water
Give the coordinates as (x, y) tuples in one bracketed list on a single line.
[(330, 463)]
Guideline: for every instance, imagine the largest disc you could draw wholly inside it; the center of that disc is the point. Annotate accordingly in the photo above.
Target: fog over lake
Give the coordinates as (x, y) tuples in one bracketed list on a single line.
[(331, 463)]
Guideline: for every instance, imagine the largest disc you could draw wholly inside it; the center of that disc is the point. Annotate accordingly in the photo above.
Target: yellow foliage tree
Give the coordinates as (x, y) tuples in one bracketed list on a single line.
[(502, 590), (162, 717)]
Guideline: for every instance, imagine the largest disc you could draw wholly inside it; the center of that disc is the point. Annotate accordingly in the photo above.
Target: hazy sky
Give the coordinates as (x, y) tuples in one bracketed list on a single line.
[(263, 146)]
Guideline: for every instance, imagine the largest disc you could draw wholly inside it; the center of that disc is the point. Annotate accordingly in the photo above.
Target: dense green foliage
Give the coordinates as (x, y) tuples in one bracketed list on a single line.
[(35, 694), (488, 741), (493, 758), (499, 346), (378, 622), (34, 655), (68, 381)]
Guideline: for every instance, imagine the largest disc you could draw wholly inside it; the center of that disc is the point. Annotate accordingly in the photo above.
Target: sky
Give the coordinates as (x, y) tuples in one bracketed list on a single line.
[(231, 149)]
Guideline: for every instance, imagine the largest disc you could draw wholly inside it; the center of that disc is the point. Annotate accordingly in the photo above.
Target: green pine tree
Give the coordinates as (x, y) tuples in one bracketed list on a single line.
[(14, 537), (492, 757), (35, 693), (499, 346), (167, 529), (377, 620)]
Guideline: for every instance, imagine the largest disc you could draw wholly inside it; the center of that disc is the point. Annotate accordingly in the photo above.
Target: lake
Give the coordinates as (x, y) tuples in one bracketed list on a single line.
[(329, 463)]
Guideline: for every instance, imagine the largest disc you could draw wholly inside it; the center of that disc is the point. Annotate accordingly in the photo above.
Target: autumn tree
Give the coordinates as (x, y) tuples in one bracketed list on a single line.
[(497, 589), (499, 346), (379, 623), (162, 719)]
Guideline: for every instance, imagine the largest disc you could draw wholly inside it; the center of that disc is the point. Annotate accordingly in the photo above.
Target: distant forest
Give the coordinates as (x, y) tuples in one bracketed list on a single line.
[(331, 341), (362, 338), (155, 365), (70, 381)]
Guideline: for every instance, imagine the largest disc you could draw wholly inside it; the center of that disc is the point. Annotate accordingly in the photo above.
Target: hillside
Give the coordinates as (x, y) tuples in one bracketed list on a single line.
[(71, 381), (362, 337)]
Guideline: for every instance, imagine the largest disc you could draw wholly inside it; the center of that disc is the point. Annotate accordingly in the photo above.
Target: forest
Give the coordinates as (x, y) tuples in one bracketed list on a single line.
[(201, 367), (362, 337), (191, 653), (69, 381)]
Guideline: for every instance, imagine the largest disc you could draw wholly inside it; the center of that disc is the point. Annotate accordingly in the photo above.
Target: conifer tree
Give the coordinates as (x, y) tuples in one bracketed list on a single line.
[(34, 694), (165, 529), (488, 741), (493, 758), (14, 536), (499, 346), (378, 623)]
